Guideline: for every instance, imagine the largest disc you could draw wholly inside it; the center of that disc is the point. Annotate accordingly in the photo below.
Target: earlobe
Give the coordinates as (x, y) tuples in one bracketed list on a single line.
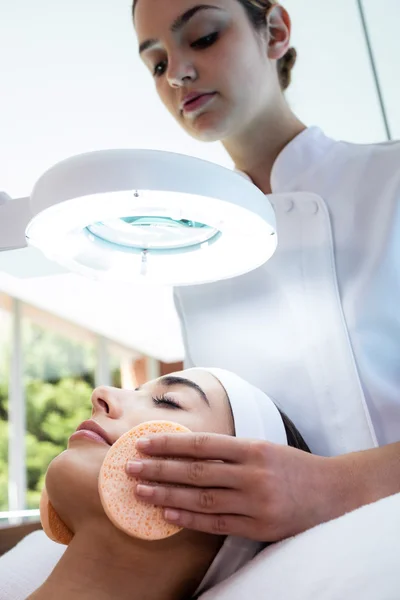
[(279, 29)]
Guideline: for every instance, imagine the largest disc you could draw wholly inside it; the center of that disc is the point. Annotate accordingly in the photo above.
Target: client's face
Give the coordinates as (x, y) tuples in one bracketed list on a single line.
[(192, 398)]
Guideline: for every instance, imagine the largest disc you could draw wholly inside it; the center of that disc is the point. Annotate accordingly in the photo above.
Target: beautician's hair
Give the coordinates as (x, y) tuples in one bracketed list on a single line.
[(294, 437), (257, 11)]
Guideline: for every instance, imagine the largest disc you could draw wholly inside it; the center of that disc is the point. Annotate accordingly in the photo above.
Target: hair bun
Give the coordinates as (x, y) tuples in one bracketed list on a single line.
[(285, 66)]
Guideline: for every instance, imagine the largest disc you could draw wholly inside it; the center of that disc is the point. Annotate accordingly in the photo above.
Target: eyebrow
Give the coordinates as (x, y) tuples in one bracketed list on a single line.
[(178, 24), (171, 380)]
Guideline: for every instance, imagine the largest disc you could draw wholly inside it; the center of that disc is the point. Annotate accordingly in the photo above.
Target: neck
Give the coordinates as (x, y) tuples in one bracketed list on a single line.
[(255, 150), (105, 567)]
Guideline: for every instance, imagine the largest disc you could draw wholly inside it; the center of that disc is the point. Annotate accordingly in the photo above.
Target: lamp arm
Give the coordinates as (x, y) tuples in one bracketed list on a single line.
[(15, 215)]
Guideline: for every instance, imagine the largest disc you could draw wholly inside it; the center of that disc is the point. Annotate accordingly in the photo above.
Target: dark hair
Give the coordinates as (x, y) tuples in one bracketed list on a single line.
[(257, 11), (294, 437)]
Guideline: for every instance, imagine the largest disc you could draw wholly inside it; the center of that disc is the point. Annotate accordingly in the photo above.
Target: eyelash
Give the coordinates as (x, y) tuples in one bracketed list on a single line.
[(164, 401), (206, 41), (201, 44)]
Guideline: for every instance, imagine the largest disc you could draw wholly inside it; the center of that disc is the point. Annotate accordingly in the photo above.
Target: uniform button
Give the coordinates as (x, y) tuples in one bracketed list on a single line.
[(311, 207), (288, 205)]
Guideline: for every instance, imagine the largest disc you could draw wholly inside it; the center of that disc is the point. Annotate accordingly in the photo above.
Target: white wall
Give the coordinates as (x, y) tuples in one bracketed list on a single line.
[(383, 19), (333, 81), (71, 81)]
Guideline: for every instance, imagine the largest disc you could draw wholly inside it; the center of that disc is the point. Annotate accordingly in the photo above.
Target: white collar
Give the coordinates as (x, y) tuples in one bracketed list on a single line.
[(298, 158)]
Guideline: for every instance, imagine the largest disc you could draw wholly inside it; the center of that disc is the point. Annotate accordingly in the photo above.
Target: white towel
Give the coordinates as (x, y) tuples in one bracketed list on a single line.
[(24, 568), (355, 557)]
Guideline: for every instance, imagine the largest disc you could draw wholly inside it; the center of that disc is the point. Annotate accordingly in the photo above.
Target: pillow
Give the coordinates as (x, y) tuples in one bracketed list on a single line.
[(25, 567), (355, 556)]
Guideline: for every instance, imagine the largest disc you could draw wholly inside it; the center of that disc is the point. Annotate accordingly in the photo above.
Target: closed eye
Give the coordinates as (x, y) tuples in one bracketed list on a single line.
[(164, 401)]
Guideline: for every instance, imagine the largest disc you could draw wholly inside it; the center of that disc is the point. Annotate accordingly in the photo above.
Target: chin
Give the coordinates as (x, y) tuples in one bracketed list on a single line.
[(208, 127), (206, 135)]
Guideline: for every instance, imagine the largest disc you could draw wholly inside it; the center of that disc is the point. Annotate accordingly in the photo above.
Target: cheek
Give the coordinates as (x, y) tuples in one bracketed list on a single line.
[(223, 423), (215, 67), (137, 413), (209, 422), (166, 94), (241, 65)]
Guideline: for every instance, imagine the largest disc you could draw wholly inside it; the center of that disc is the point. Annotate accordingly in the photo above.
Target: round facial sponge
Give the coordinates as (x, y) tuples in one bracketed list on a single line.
[(53, 526), (117, 489)]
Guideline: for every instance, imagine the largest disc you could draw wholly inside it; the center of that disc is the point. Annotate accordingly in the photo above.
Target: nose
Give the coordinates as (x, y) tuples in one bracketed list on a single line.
[(107, 400), (180, 72)]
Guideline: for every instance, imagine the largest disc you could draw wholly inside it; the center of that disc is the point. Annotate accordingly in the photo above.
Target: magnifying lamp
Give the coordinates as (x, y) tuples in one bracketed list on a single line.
[(143, 216)]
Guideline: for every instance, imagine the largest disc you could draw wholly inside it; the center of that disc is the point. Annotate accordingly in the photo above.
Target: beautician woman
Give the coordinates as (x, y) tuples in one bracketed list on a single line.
[(317, 327)]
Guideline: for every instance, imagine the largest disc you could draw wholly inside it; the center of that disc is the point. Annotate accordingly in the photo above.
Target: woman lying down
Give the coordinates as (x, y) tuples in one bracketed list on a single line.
[(102, 561)]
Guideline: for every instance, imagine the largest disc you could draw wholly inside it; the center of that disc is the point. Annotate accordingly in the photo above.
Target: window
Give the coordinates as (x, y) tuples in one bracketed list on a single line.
[(48, 369), (5, 338), (59, 362)]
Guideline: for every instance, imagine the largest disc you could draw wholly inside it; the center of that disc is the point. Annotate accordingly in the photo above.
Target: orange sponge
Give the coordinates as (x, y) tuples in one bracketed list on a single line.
[(52, 525), (117, 489)]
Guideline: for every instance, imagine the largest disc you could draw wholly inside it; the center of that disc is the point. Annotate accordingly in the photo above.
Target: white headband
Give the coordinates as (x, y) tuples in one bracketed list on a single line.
[(254, 414), (255, 417)]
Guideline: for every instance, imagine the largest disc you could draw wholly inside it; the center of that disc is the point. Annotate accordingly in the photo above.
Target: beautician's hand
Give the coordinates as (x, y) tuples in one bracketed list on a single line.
[(252, 489)]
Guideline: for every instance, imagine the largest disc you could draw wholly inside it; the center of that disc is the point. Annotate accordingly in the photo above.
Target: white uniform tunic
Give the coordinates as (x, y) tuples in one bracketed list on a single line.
[(318, 326)]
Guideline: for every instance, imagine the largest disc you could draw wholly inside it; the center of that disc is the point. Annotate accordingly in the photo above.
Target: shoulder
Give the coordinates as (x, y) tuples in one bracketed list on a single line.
[(375, 159), (318, 163), (360, 171), (352, 175)]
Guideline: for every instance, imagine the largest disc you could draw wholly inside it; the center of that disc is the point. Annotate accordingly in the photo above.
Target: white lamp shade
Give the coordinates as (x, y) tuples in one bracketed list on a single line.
[(150, 216)]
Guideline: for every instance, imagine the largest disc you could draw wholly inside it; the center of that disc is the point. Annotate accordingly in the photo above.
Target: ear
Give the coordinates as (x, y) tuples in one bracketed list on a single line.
[(279, 29)]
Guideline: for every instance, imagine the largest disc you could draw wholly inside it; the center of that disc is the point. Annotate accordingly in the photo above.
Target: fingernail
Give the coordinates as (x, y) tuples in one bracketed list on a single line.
[(134, 466), (143, 443), (145, 490), (171, 515)]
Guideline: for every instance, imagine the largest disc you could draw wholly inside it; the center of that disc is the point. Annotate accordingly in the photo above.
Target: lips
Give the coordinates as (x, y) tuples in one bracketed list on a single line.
[(192, 97), (95, 428)]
